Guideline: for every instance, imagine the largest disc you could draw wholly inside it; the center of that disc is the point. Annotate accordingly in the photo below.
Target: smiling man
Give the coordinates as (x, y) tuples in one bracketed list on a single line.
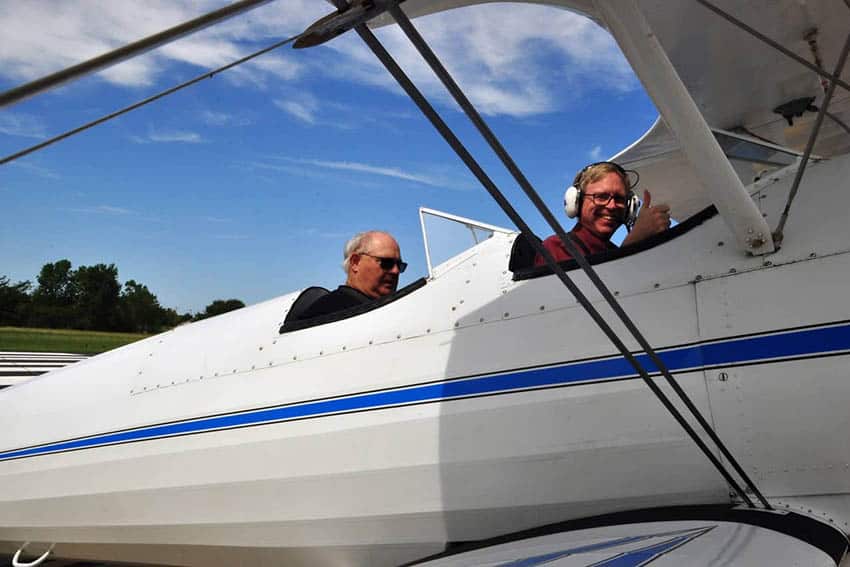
[(373, 263), (601, 196)]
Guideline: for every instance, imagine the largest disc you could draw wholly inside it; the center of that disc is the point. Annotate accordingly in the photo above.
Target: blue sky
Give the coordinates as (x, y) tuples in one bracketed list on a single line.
[(248, 185)]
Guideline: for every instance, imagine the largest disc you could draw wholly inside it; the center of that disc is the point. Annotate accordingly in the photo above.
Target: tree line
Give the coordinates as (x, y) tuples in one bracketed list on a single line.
[(91, 298)]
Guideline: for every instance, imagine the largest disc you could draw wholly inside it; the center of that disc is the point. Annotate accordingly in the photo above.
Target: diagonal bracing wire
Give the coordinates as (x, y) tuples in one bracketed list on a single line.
[(125, 52), (491, 188), (134, 106), (435, 64), (810, 144)]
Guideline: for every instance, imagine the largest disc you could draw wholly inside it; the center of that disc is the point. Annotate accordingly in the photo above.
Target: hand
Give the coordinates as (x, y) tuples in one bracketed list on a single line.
[(651, 220)]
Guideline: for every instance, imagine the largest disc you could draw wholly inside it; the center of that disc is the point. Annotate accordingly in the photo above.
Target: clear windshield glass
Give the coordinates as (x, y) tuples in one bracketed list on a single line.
[(446, 235)]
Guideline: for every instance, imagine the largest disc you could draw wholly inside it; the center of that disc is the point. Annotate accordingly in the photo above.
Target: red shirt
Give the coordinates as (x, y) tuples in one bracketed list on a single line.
[(587, 242)]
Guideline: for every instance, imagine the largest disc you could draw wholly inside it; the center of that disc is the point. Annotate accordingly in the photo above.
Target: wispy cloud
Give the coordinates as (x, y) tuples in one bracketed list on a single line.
[(595, 153), (510, 59), (432, 180), (23, 125), (103, 210), (513, 69), (169, 137), (374, 170), (231, 236), (36, 169), (303, 109), (217, 220), (40, 38), (321, 233), (214, 118)]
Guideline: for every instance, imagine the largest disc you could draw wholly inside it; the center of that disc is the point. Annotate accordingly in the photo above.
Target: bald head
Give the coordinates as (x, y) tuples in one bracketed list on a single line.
[(363, 254)]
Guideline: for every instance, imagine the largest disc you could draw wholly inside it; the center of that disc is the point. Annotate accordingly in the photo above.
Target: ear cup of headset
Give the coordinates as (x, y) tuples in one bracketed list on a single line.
[(571, 201), (632, 207)]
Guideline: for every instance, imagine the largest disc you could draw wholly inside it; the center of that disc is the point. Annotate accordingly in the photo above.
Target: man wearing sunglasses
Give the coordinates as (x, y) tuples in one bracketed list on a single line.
[(373, 263), (602, 198)]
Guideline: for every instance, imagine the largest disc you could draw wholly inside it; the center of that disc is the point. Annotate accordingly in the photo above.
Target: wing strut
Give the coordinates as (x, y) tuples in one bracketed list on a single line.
[(497, 195)]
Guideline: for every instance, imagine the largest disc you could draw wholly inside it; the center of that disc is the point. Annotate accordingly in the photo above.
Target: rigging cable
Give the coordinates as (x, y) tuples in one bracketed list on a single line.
[(125, 52), (812, 39), (126, 109), (491, 188), (485, 131), (780, 227), (431, 58)]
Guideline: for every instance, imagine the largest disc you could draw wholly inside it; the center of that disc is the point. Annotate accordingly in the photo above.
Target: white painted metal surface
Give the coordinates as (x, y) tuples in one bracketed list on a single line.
[(475, 406)]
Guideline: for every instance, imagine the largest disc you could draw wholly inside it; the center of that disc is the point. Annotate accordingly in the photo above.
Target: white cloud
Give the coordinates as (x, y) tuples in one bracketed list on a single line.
[(595, 153), (303, 109), (215, 118), (510, 59), (384, 171), (167, 137), (43, 37), (103, 209), (231, 236), (23, 125), (35, 169)]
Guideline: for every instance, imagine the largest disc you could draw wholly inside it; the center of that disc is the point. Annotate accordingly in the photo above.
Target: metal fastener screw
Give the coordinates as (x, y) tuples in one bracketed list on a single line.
[(723, 377)]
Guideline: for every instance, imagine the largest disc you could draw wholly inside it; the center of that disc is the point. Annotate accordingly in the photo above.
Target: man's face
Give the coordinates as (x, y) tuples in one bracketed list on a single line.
[(365, 272), (603, 220)]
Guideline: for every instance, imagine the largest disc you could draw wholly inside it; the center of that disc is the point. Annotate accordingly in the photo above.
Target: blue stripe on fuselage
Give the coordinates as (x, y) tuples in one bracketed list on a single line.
[(806, 342)]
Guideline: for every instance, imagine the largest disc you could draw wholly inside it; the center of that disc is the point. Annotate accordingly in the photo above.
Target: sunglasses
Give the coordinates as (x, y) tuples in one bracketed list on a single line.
[(388, 263)]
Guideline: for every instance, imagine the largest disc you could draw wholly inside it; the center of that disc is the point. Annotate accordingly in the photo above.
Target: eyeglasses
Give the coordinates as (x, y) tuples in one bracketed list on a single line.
[(388, 263), (602, 199)]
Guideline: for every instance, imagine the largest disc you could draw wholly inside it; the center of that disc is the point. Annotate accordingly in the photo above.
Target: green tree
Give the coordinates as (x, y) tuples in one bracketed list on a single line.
[(53, 299), (14, 302), (140, 309), (218, 307), (97, 297), (173, 319)]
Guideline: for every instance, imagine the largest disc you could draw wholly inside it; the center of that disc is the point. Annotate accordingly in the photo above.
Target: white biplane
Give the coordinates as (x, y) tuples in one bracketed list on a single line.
[(485, 415)]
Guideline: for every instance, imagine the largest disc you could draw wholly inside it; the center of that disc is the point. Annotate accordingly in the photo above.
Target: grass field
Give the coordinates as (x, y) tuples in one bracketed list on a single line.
[(62, 340)]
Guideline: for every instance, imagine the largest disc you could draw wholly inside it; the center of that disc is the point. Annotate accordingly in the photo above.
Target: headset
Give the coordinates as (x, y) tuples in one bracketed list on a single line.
[(574, 193)]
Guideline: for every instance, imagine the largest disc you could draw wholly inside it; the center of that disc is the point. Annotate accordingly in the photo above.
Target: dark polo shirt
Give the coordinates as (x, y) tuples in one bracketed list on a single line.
[(341, 298)]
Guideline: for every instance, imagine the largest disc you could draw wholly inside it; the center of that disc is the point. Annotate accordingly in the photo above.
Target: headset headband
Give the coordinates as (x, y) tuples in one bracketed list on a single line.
[(624, 174)]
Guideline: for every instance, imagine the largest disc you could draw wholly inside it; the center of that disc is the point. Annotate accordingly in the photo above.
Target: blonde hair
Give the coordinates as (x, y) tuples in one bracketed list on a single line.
[(597, 171)]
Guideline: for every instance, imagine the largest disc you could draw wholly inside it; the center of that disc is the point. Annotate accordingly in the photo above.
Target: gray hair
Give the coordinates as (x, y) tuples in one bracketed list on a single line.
[(358, 244)]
